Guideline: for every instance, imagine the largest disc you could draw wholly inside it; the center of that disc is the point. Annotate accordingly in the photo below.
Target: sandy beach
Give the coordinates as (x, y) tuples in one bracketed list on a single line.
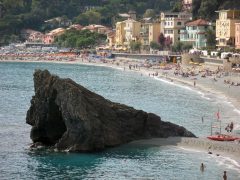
[(219, 149)]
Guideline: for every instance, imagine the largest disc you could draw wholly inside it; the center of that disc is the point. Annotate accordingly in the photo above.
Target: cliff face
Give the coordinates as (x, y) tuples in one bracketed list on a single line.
[(68, 116)]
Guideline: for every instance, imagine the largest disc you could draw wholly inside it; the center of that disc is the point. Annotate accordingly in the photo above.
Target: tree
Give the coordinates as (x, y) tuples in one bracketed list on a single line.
[(79, 39), (211, 38), (89, 17), (161, 41), (178, 47), (195, 7), (154, 45), (168, 42), (177, 6), (149, 13), (206, 9), (135, 46)]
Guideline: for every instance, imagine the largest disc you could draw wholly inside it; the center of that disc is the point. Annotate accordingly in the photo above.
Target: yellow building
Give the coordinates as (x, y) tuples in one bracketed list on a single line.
[(225, 27), (120, 34), (111, 37), (154, 32), (132, 31), (149, 32)]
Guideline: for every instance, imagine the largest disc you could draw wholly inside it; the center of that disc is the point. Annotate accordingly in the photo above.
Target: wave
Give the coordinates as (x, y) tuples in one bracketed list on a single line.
[(228, 162), (203, 95), (237, 111)]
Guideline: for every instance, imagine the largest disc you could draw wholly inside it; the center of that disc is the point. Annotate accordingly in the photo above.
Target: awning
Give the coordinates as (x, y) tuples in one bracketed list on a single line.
[(217, 38)]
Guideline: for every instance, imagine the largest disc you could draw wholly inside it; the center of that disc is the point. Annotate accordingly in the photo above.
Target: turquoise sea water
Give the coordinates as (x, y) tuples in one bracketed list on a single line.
[(174, 103)]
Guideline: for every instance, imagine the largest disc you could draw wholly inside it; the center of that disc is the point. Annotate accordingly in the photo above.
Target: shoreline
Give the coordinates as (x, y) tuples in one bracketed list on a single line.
[(144, 71), (169, 78), (227, 150), (218, 89)]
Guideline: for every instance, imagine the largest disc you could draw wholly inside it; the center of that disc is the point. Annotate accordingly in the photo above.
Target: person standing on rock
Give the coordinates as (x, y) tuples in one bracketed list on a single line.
[(194, 83)]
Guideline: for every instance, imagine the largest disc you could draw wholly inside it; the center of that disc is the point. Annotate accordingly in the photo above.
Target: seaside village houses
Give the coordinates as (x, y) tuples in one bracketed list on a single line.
[(172, 23), (148, 30), (226, 32), (195, 33)]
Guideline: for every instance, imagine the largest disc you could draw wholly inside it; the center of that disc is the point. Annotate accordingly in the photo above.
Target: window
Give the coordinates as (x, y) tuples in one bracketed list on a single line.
[(179, 23)]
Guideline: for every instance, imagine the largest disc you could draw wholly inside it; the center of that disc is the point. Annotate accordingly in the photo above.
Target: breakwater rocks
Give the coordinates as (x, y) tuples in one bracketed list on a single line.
[(67, 116)]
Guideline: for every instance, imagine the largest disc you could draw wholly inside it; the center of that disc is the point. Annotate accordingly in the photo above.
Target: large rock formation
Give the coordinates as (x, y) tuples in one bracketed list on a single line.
[(68, 116)]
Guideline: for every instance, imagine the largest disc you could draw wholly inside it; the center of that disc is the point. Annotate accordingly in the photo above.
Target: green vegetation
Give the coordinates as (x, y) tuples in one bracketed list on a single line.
[(149, 13), (154, 45), (135, 46), (211, 38), (18, 14), (179, 47), (79, 39), (178, 6), (206, 8)]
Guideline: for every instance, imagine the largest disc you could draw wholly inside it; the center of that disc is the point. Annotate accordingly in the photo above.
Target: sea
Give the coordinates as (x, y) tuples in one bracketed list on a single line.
[(172, 101)]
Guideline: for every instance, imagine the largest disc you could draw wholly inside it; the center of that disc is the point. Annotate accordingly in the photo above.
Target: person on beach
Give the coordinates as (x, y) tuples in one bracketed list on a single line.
[(202, 167), (194, 83), (224, 175), (231, 127)]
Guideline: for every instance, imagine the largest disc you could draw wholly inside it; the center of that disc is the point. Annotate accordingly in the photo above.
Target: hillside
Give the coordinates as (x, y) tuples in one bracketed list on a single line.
[(206, 8), (18, 14)]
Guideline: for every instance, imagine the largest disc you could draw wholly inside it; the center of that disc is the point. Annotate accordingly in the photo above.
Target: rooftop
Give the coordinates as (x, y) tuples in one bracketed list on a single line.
[(198, 22)]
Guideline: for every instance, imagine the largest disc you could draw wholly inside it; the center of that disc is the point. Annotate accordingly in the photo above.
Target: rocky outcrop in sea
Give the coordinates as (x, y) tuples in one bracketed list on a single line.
[(67, 116)]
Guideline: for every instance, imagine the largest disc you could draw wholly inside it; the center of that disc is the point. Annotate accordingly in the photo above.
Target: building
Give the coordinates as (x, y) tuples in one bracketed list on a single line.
[(225, 27), (172, 23), (97, 28), (237, 35), (149, 32), (187, 5), (132, 31), (195, 33), (76, 27), (49, 37), (154, 31), (36, 37), (111, 39), (120, 34)]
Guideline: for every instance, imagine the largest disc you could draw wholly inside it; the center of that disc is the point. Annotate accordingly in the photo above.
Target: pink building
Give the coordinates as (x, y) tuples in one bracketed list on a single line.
[(48, 38), (237, 35), (35, 37)]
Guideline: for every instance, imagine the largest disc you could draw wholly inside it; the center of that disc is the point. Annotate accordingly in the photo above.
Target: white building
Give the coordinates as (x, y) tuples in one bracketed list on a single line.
[(172, 23)]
